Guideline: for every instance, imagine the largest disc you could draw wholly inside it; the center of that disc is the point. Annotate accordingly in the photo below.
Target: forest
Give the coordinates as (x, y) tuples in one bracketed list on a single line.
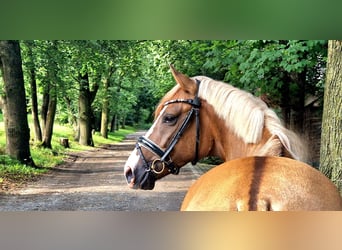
[(102, 85)]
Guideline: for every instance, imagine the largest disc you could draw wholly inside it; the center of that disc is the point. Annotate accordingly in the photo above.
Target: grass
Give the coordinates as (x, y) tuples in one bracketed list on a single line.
[(14, 173)]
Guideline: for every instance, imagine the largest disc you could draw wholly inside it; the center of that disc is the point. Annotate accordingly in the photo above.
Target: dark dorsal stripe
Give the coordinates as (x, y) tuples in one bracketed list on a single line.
[(259, 169)]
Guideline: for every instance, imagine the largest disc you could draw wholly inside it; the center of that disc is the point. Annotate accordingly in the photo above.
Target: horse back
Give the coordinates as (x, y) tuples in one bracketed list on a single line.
[(262, 183)]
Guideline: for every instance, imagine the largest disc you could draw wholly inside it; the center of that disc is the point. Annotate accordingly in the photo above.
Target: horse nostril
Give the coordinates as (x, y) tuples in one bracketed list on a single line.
[(129, 176)]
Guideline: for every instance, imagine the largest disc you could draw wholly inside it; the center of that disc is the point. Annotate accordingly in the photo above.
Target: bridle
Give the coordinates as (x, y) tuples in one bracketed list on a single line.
[(158, 165)]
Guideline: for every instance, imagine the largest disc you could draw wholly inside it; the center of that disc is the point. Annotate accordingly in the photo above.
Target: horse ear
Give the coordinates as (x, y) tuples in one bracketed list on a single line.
[(186, 83)]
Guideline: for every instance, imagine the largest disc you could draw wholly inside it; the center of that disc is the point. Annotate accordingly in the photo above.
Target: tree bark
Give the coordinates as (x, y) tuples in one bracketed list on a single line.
[(33, 85), (85, 137), (331, 137), (51, 99), (285, 101), (45, 105), (105, 105), (34, 100), (114, 123), (16, 124), (299, 102), (123, 124), (50, 118), (105, 111), (86, 97)]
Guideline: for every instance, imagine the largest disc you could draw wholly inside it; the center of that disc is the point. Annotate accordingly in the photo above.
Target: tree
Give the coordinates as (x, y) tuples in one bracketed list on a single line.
[(285, 71), (80, 74), (109, 53), (85, 99), (28, 47), (105, 105), (331, 137), (16, 124), (50, 95)]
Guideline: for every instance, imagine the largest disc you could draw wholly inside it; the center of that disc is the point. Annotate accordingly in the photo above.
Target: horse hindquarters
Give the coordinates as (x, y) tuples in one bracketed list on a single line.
[(262, 183)]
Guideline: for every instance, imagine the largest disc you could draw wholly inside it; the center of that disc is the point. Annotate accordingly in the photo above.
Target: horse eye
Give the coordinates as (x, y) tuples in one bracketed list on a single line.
[(170, 119)]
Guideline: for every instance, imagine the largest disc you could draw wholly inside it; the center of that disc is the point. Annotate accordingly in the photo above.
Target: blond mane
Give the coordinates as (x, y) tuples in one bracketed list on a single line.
[(246, 115)]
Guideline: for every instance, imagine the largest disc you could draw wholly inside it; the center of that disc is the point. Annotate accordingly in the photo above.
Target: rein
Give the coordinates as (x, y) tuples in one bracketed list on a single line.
[(159, 165)]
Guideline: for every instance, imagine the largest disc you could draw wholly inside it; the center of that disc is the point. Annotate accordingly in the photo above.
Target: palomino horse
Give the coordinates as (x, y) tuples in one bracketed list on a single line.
[(202, 117)]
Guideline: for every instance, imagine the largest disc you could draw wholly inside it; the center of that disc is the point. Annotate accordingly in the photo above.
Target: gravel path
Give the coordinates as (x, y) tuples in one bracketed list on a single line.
[(93, 180)]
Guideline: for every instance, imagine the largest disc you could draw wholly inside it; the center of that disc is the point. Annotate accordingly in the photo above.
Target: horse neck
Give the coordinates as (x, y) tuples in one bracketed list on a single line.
[(227, 145)]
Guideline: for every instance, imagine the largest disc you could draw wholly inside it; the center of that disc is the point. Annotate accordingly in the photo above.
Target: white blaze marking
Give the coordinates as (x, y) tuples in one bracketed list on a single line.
[(150, 131)]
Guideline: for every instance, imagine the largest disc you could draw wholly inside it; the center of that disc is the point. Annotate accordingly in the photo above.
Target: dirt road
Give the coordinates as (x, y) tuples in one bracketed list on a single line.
[(94, 180)]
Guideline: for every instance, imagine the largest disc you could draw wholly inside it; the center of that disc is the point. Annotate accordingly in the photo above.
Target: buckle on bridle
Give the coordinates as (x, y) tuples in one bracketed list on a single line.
[(158, 166)]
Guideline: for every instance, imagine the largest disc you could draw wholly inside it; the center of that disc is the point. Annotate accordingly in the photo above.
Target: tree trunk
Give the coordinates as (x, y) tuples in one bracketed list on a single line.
[(113, 123), (299, 102), (123, 124), (331, 137), (50, 112), (85, 137), (50, 118), (36, 124), (85, 99), (16, 124), (45, 105), (105, 105), (84, 104), (285, 102), (105, 111), (33, 85)]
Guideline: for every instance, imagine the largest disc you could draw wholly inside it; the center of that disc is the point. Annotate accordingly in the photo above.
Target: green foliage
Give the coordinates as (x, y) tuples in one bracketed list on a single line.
[(137, 72), (265, 66)]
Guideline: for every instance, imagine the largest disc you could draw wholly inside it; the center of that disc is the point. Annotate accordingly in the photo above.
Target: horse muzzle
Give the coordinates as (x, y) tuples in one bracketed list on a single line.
[(142, 174), (139, 178)]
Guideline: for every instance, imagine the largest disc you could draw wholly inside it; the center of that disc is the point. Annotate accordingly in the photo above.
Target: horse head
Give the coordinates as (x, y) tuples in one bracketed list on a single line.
[(173, 139)]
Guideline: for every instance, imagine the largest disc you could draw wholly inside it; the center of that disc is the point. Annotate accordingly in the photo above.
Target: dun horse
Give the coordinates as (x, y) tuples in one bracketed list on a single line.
[(202, 117)]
